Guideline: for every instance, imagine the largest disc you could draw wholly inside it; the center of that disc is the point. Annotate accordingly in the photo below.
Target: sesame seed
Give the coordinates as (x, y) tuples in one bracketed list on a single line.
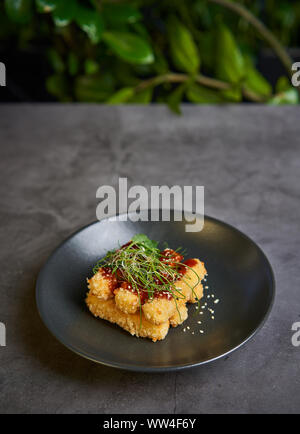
[(199, 322), (216, 301), (205, 287), (201, 331), (188, 327), (212, 317), (193, 333), (208, 296)]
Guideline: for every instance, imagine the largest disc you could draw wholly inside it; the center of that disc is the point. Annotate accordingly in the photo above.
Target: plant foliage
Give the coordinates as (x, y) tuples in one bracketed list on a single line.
[(122, 51)]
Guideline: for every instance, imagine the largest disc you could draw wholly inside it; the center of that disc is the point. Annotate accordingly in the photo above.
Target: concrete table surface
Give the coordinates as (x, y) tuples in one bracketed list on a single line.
[(53, 158)]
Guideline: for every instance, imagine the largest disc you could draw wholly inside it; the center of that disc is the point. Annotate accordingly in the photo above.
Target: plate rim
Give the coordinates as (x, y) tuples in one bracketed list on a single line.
[(156, 369)]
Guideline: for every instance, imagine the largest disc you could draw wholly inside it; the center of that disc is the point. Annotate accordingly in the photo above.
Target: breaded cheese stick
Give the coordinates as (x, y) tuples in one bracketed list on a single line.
[(190, 284), (159, 310), (102, 284), (107, 309), (126, 301), (180, 315)]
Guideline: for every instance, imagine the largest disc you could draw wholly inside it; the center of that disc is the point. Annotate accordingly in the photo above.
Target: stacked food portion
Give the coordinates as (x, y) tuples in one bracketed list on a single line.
[(143, 289)]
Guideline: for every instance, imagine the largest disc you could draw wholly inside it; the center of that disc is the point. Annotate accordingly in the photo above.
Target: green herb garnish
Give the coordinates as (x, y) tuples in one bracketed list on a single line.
[(139, 263)]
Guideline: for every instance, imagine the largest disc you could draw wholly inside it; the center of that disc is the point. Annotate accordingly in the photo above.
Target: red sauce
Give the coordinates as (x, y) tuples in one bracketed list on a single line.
[(134, 246), (143, 293), (190, 263), (106, 273), (168, 256)]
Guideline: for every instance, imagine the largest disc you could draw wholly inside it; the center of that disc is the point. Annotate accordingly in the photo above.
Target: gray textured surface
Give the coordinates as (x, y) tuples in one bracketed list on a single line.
[(53, 158)]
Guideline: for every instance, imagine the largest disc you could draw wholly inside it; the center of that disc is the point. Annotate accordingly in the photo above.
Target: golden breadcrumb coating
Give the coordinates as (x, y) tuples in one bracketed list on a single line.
[(159, 310), (180, 315), (126, 301), (100, 286), (107, 309), (189, 280)]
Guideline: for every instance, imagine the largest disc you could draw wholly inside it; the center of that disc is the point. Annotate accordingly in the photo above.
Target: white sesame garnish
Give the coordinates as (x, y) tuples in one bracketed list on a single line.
[(208, 296), (201, 313), (216, 301), (193, 333), (213, 296), (205, 287), (199, 322), (212, 317), (201, 331), (188, 327), (184, 330)]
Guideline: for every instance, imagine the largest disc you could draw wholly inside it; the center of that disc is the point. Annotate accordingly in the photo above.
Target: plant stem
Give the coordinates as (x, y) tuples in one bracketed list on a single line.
[(160, 79), (200, 79), (212, 82), (266, 34)]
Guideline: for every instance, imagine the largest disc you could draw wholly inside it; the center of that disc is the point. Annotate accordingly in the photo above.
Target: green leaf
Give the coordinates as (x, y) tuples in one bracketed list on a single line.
[(290, 96), (183, 48), (120, 13), (143, 239), (123, 95), (234, 94), (19, 11), (202, 95), (46, 6), (64, 12), (283, 84), (175, 98), (91, 22), (129, 47), (255, 82), (141, 30), (93, 88), (230, 65), (143, 97)]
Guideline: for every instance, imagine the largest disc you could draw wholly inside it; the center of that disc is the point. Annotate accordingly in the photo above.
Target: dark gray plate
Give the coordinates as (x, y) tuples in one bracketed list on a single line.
[(239, 275)]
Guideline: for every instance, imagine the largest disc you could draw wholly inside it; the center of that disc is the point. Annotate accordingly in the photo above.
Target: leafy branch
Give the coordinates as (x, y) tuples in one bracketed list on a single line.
[(265, 33), (200, 79), (138, 52)]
